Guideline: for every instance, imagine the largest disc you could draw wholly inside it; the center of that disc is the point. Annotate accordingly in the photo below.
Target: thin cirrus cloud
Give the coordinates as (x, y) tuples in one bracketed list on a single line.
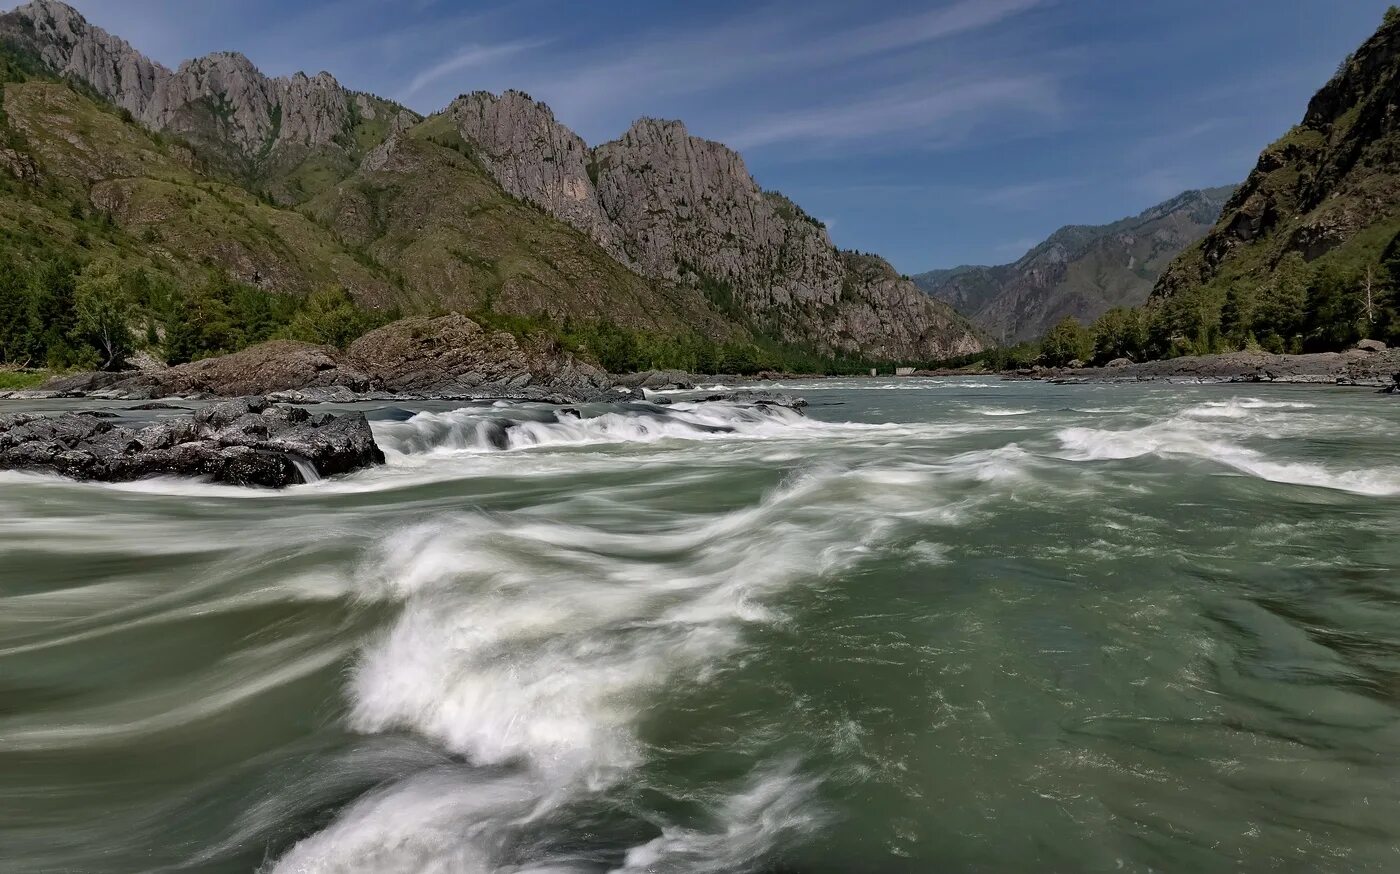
[(764, 49), (946, 111), (466, 58)]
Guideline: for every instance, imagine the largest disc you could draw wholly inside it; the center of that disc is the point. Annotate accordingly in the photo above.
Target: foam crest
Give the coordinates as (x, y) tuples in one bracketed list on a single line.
[(773, 806), (474, 429), (1211, 431)]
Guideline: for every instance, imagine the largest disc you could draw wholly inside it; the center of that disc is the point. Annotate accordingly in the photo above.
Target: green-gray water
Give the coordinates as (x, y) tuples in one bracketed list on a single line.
[(933, 626)]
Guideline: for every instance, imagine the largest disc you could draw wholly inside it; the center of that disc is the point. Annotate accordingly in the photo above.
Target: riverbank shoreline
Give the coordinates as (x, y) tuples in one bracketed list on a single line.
[(1354, 367)]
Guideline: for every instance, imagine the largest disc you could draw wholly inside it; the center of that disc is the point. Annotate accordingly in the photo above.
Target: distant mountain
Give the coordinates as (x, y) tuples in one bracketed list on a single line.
[(1080, 270), (292, 182), (1324, 197)]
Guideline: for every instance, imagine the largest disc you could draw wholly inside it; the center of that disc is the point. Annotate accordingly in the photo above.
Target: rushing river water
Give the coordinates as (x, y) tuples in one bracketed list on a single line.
[(933, 626)]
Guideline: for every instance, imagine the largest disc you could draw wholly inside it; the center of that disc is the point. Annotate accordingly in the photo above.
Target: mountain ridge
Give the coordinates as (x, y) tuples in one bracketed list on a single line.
[(698, 231), (1079, 271)]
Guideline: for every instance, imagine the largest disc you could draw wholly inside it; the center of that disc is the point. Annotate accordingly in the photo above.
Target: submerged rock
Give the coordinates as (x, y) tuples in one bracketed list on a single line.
[(242, 442)]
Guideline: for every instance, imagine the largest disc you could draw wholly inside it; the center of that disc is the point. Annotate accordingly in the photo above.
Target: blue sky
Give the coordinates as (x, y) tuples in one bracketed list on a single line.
[(936, 133)]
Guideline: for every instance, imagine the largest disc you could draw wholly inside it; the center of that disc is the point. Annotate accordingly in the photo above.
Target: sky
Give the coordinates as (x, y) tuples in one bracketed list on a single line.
[(935, 133)]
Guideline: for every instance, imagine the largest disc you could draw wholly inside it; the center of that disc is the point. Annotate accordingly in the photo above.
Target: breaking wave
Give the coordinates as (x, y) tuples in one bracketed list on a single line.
[(485, 429), (1216, 431), (529, 646)]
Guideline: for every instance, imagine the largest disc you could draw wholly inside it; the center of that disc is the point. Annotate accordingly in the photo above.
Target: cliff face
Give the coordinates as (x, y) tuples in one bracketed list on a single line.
[(1080, 271), (1330, 185), (684, 210), (656, 229), (264, 128)]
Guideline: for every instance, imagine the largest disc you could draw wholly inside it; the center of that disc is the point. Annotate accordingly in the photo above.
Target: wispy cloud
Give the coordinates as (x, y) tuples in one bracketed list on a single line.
[(758, 47), (465, 58), (945, 113)]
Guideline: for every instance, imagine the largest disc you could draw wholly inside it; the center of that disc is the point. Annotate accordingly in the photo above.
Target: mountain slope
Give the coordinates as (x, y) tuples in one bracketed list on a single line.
[(289, 136), (488, 205), (1326, 194), (1080, 271), (83, 181)]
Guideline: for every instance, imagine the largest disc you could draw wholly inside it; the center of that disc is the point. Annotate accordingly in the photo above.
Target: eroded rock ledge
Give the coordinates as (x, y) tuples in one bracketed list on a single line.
[(246, 442)]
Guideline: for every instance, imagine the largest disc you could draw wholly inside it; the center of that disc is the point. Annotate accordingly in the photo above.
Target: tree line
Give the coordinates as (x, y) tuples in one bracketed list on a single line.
[(1296, 307), (61, 314)]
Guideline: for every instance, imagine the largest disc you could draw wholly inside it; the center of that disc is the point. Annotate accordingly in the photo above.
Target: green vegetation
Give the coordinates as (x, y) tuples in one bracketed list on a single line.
[(62, 315), (1325, 306), (621, 349)]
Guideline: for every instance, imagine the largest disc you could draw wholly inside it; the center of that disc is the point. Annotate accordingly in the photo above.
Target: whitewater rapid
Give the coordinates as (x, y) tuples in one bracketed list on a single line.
[(690, 637)]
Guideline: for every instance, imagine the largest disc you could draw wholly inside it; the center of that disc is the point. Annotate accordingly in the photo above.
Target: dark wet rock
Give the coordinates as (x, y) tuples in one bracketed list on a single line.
[(241, 442), (758, 397), (157, 405)]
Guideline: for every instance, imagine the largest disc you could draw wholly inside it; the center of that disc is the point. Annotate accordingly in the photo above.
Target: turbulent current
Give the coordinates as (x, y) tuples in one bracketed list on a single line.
[(933, 625)]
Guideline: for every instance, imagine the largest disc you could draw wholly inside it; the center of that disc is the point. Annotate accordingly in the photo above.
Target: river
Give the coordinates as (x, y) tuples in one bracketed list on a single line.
[(933, 625)]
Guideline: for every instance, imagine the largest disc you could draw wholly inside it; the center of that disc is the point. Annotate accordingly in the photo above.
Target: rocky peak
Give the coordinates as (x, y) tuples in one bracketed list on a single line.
[(64, 40), (220, 100), (534, 157)]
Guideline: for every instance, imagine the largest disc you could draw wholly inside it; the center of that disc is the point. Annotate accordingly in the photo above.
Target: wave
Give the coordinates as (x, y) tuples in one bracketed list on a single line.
[(474, 429), (530, 646), (1208, 431)]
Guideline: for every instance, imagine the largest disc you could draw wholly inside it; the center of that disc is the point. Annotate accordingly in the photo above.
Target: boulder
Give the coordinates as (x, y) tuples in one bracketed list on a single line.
[(241, 442), (452, 354), (758, 398), (1369, 346), (1120, 362), (655, 380)]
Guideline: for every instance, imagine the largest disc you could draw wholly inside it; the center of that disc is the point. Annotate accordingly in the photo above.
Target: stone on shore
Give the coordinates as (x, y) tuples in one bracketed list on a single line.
[(242, 442)]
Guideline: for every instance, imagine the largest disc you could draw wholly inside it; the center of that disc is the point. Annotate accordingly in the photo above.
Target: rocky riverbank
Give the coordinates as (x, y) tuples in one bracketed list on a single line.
[(1376, 367), (247, 442), (443, 356)]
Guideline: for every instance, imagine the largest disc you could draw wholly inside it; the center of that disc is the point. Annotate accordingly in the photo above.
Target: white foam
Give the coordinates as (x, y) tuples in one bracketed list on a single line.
[(1213, 431), (469, 430)]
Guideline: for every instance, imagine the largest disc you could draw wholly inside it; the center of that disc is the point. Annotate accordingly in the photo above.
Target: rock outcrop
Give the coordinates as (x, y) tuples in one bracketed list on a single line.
[(452, 355), (1080, 271), (277, 365), (245, 442)]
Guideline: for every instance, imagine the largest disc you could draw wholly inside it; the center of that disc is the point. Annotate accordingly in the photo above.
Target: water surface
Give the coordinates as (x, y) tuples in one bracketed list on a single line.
[(934, 625)]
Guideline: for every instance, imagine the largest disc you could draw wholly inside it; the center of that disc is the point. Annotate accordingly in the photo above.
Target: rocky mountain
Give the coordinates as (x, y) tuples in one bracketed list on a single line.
[(1080, 271), (682, 210), (490, 204), (286, 134), (1325, 194)]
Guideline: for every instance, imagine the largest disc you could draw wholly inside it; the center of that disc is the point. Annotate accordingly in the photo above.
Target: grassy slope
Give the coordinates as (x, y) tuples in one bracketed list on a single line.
[(93, 165), (1328, 189), (433, 214)]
